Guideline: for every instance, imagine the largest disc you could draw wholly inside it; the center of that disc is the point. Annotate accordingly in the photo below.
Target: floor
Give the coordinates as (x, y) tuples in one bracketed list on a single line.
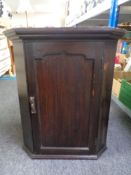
[(116, 160)]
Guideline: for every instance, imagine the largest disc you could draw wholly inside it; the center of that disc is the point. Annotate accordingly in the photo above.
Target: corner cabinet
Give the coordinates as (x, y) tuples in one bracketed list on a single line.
[(64, 78)]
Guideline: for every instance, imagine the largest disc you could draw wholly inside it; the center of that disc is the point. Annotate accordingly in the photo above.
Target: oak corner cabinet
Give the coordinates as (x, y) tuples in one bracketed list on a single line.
[(64, 78)]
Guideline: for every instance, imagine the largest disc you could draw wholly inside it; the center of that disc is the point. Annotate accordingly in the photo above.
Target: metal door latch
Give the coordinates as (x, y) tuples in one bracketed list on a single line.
[(32, 105)]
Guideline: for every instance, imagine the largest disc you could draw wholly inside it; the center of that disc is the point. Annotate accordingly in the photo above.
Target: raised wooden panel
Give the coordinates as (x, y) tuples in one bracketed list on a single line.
[(64, 82), (65, 74)]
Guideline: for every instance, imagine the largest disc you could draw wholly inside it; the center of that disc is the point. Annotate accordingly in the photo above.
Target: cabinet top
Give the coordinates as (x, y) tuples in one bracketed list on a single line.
[(65, 33)]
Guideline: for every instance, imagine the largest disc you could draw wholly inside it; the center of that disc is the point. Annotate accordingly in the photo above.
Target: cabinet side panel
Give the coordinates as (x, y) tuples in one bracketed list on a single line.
[(107, 77), (23, 94)]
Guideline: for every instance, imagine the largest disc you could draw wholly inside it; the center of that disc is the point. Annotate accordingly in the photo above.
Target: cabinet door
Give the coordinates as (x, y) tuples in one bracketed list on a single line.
[(66, 87)]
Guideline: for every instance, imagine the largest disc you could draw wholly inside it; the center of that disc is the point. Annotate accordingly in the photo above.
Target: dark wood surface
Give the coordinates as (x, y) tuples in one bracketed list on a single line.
[(65, 76), (22, 85), (65, 33)]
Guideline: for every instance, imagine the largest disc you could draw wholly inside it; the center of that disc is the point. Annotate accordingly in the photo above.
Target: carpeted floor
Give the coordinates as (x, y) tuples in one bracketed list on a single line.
[(14, 161)]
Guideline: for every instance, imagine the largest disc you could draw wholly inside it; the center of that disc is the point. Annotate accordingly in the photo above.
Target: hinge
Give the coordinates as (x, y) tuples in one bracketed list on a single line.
[(32, 105), (102, 63), (93, 92)]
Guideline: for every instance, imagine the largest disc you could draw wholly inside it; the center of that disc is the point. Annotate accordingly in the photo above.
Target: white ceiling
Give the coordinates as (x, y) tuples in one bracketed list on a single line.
[(37, 5)]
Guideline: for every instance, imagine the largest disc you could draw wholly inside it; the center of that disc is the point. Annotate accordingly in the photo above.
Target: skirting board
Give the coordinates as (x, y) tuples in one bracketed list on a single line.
[(43, 156)]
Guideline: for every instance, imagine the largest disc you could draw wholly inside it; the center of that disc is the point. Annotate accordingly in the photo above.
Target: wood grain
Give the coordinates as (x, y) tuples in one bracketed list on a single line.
[(68, 74)]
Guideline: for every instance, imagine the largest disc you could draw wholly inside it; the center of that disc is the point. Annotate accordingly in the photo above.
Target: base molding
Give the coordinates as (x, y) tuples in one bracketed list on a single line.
[(56, 156)]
